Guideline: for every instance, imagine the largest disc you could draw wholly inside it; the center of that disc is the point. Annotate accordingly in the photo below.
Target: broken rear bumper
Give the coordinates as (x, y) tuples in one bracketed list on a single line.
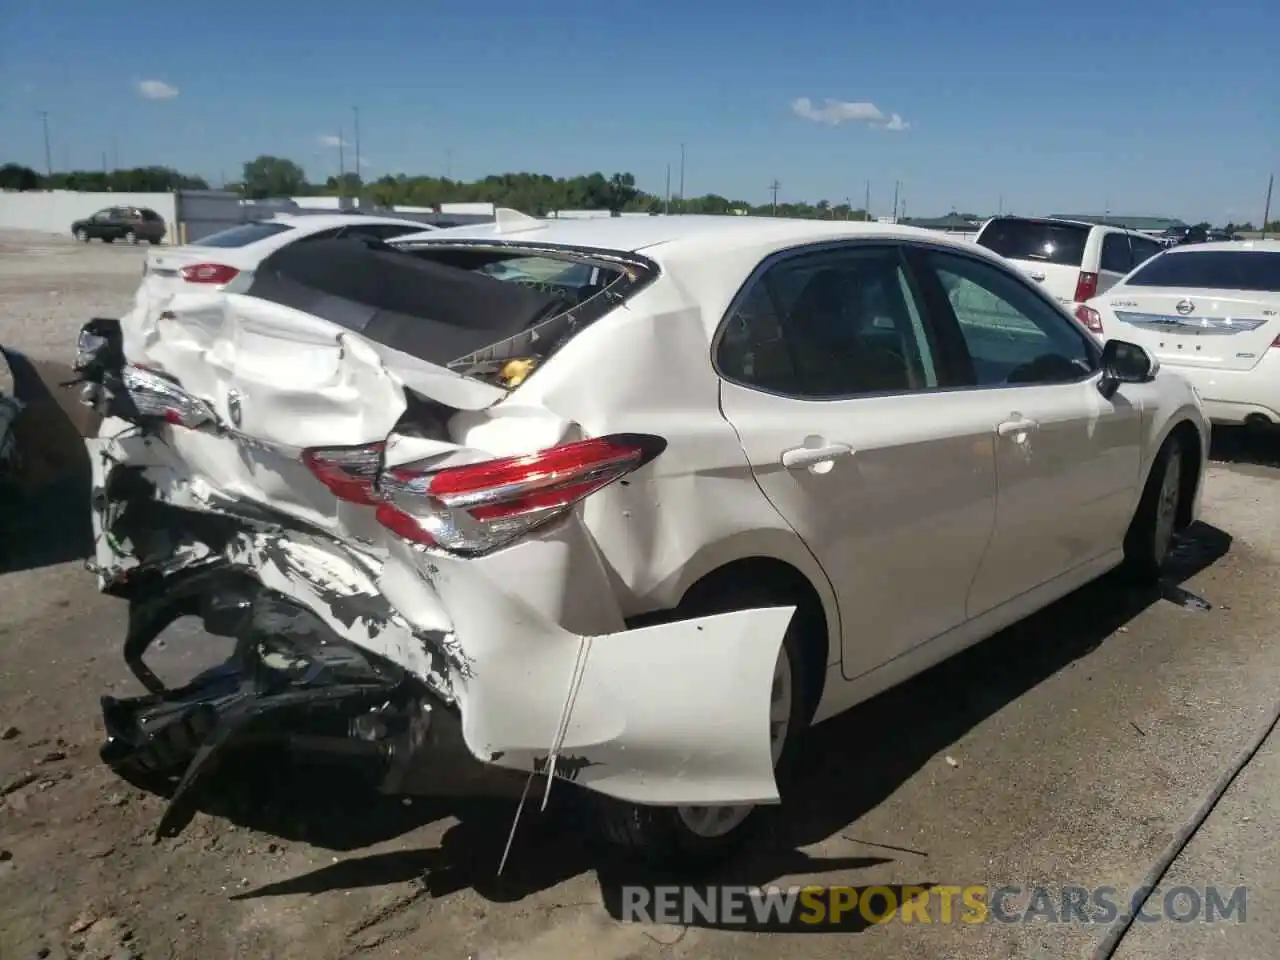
[(431, 645)]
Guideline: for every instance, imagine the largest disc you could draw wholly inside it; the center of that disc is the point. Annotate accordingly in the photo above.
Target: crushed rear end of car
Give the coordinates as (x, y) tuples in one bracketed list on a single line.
[(336, 477)]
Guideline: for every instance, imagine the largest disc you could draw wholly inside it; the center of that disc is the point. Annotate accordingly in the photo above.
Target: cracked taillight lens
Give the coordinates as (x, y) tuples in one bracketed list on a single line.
[(155, 395), (478, 507), (350, 472)]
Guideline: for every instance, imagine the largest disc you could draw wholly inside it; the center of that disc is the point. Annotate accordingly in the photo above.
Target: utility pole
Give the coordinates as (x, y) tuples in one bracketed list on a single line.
[(104, 163), (666, 209), (115, 153), (896, 185), (848, 208), (773, 187), (48, 155), (342, 167), (448, 163), (356, 111), (682, 177), (866, 203), (1266, 211), (1000, 206)]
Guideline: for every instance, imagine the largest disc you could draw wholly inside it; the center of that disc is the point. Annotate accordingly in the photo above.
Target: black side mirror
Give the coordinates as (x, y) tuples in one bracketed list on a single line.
[(1125, 362)]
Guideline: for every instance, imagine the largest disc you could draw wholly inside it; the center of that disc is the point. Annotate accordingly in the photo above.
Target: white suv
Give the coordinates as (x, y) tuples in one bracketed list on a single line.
[(1074, 261)]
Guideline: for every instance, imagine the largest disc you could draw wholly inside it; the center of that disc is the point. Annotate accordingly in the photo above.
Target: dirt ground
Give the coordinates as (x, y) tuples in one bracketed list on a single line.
[(1067, 750)]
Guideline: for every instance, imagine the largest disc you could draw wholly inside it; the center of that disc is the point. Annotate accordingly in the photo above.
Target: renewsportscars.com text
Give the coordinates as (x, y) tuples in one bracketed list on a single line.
[(840, 907)]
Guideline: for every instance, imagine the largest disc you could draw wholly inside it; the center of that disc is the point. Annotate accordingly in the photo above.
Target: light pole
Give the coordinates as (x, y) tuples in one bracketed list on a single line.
[(48, 155)]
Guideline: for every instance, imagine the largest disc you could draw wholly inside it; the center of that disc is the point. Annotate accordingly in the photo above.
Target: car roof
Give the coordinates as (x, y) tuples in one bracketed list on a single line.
[(1227, 246), (1075, 223), (677, 237), (323, 221)]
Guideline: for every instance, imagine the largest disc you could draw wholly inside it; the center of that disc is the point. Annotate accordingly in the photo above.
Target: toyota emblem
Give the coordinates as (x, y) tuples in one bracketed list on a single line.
[(233, 406), (1184, 307)]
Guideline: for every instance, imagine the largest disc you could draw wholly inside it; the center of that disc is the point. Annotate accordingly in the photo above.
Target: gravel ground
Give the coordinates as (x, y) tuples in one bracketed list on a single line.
[(50, 285), (1064, 751)]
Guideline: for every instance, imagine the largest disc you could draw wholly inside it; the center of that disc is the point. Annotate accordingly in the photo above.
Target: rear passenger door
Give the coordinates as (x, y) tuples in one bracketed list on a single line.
[(1116, 262), (1067, 458), (835, 382)]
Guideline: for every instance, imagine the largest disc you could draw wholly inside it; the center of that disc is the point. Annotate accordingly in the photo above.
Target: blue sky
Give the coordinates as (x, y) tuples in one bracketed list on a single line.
[(1148, 107)]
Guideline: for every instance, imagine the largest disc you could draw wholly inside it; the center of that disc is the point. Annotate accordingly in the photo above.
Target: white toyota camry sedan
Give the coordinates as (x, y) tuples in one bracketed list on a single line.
[(627, 502), (1210, 311)]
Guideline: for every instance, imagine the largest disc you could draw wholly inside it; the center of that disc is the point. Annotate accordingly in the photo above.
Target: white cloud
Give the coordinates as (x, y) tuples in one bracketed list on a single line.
[(156, 90), (329, 140), (835, 112)]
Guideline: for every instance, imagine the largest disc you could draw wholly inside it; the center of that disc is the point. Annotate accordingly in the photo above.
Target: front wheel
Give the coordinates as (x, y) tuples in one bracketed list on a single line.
[(676, 836), (82, 235), (131, 237), (1150, 538)]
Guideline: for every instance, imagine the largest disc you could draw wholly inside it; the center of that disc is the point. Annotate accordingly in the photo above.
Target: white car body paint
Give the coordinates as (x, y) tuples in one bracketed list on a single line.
[(675, 713)]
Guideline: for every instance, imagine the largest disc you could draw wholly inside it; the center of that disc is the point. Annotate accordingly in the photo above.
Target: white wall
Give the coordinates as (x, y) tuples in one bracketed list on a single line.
[(54, 211)]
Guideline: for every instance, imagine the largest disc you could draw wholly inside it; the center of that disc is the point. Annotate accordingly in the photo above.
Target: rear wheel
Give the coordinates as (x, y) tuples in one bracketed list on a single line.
[(1150, 537), (689, 835)]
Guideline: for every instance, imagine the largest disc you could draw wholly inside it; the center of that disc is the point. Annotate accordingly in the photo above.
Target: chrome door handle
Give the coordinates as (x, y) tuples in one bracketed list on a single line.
[(1017, 424), (798, 457), (1037, 276)]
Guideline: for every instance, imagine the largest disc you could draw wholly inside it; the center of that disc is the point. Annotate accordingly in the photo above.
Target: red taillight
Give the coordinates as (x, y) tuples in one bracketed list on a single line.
[(218, 273), (350, 472), (478, 507), (1276, 342), (1086, 287), (1090, 318)]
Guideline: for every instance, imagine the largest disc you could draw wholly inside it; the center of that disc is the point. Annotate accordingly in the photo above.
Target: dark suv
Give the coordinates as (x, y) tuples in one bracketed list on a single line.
[(133, 224)]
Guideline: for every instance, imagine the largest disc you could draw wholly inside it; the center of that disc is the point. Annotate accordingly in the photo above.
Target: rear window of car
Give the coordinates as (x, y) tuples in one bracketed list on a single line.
[(1211, 270), (1040, 240), (243, 235), (150, 215)]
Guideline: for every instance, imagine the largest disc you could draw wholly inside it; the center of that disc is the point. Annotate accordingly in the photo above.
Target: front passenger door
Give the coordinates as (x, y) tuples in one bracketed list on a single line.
[(835, 383), (1067, 458)]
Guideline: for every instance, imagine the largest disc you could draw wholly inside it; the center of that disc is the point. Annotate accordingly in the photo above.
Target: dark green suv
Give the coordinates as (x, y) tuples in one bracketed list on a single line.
[(132, 224)]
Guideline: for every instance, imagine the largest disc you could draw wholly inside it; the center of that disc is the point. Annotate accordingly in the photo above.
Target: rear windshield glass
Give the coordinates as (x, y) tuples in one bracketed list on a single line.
[(466, 307), (1211, 270), (1039, 240), (243, 235)]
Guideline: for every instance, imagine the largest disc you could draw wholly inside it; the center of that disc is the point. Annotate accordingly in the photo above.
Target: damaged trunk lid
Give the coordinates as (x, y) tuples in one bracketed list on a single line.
[(330, 348)]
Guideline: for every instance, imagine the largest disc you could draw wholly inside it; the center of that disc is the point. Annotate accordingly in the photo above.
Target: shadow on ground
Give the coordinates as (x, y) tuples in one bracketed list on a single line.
[(44, 510), (828, 796), (1243, 445)]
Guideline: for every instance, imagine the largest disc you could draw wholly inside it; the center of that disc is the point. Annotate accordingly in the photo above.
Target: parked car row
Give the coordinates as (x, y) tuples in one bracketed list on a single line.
[(627, 503), (1209, 310)]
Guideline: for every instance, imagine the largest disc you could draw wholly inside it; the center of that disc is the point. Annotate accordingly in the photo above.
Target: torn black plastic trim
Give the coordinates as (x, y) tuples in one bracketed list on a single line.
[(290, 677)]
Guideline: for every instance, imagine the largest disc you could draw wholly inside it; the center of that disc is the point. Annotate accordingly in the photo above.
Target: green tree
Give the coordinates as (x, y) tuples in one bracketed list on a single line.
[(14, 176), (268, 176)]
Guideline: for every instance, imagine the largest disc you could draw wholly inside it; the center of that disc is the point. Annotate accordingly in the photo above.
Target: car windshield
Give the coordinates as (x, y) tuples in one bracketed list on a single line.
[(1211, 270), (1042, 240), (243, 235)]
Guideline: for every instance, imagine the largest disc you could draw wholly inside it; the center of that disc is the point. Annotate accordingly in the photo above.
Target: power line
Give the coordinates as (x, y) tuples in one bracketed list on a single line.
[(774, 187)]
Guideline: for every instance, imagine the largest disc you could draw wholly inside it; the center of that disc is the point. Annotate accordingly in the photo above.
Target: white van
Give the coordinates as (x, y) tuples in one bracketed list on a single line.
[(1073, 260)]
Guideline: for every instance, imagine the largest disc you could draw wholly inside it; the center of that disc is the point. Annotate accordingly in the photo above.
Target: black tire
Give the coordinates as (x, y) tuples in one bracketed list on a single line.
[(107, 239), (131, 237), (153, 241), (1151, 533), (659, 835), (83, 235)]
